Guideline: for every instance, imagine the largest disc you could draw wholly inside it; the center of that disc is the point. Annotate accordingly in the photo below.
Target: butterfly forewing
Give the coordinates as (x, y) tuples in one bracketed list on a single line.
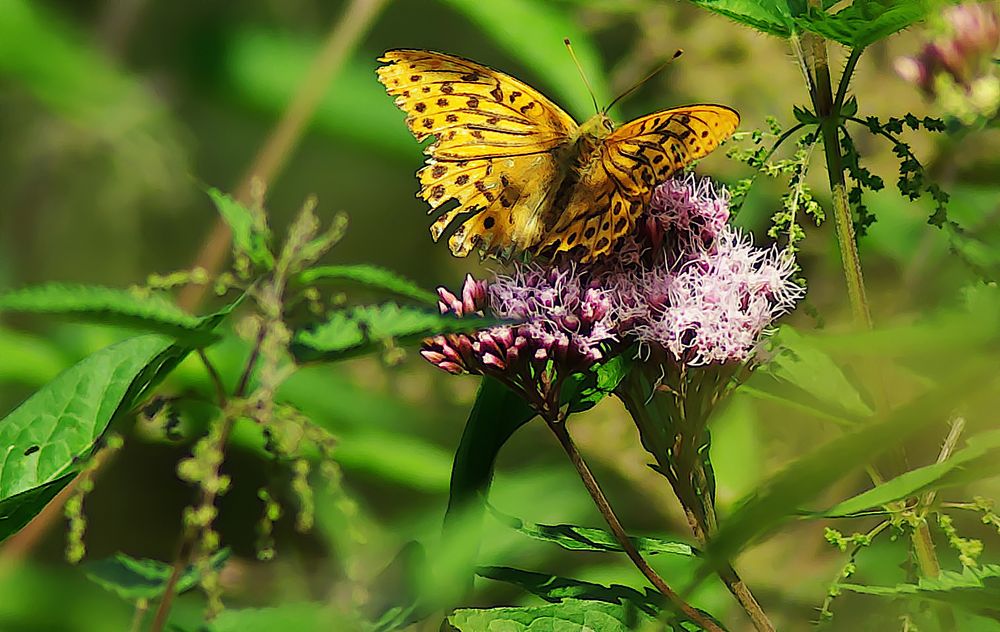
[(496, 146), (632, 160)]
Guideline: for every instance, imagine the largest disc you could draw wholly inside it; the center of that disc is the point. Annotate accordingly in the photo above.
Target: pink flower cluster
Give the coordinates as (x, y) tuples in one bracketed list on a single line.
[(561, 326), (962, 54), (686, 282)]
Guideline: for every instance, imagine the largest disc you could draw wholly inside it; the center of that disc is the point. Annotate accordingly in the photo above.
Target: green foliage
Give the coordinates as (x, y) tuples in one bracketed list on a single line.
[(369, 327), (304, 617), (979, 461), (52, 431), (130, 308), (582, 391), (251, 235), (974, 589), (864, 22), (774, 17), (18, 510), (369, 277), (576, 538), (781, 497), (569, 615), (134, 579), (803, 376)]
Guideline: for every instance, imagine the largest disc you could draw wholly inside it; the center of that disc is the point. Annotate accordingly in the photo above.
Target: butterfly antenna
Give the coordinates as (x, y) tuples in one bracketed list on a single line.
[(644, 80), (586, 82)]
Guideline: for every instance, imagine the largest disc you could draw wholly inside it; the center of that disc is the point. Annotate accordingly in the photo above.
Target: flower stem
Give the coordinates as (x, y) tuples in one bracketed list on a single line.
[(691, 489), (558, 428)]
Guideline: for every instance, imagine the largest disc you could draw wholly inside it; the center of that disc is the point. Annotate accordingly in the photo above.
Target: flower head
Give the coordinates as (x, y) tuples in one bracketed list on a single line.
[(561, 324), (717, 304)]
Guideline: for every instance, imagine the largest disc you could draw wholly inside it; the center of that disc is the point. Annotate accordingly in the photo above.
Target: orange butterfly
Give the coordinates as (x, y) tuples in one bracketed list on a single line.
[(526, 175)]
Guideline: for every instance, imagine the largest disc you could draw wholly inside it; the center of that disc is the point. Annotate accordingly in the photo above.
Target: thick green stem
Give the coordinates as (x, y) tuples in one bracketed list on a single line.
[(829, 116)]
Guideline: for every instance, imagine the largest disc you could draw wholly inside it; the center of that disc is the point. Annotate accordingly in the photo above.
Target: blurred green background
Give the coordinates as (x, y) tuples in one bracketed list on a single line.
[(115, 114)]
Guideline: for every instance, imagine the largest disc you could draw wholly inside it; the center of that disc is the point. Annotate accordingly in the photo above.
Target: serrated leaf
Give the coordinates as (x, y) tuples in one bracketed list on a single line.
[(802, 115), (249, 237), (981, 459), (105, 305), (577, 538), (569, 615), (774, 17), (19, 509), (976, 589), (133, 579), (362, 329), (369, 276), (45, 437), (864, 22), (533, 32)]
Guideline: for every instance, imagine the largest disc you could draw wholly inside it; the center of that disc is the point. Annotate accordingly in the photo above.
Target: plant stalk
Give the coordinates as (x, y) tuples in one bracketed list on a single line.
[(348, 30), (558, 428), (829, 116), (690, 487)]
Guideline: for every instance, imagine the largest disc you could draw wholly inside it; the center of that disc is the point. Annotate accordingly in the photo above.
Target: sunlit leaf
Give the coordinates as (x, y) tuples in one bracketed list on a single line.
[(584, 390), (47, 435), (370, 277), (135, 579)]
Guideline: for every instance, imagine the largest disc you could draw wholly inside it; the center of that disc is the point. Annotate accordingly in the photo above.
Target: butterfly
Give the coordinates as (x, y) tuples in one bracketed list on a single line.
[(525, 175)]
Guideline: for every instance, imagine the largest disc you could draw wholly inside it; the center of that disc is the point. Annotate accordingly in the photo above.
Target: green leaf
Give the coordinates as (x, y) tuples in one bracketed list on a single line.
[(801, 481), (981, 459), (774, 17), (569, 615), (533, 32), (496, 415), (250, 233), (975, 589), (864, 22), (369, 276), (576, 538), (106, 305), (584, 390), (19, 509), (133, 579), (801, 374), (300, 617), (362, 329), (46, 436)]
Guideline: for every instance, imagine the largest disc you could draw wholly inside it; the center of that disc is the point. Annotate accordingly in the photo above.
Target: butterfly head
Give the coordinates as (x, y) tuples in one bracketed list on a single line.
[(597, 126)]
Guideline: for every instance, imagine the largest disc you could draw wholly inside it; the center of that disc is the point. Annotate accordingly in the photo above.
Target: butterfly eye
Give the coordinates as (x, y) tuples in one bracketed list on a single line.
[(608, 125)]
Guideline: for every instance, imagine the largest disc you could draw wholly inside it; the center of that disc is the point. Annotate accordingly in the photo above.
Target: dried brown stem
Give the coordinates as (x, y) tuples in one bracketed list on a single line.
[(349, 28)]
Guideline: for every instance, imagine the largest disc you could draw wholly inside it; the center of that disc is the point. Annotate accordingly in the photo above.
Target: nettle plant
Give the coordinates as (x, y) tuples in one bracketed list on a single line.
[(680, 317)]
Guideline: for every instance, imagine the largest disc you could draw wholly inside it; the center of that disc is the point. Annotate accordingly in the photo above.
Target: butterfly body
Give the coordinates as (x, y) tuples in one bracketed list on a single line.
[(525, 175)]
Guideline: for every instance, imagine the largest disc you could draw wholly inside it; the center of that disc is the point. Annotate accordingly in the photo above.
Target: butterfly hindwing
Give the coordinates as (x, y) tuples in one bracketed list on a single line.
[(632, 160), (495, 148)]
